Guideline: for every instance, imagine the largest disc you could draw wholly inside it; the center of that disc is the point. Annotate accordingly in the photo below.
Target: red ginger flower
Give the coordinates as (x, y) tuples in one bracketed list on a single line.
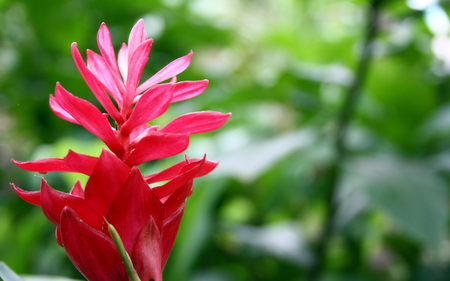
[(147, 219)]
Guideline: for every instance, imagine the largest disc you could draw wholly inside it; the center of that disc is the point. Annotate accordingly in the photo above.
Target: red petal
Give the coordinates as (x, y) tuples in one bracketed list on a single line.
[(141, 131), (105, 182), (132, 207), (147, 255), (172, 69), (44, 165), (104, 75), (173, 171), (196, 122), (58, 236), (123, 61), (80, 163), (137, 36), (169, 231), (77, 190), (94, 85), (135, 66), (60, 112), (166, 174), (32, 197), (106, 48), (191, 170), (152, 104), (147, 132), (53, 202), (89, 117), (157, 146), (208, 166), (188, 89), (177, 199), (92, 252)]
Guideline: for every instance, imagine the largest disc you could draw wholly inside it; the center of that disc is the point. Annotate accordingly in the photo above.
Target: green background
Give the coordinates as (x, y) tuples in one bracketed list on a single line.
[(283, 68)]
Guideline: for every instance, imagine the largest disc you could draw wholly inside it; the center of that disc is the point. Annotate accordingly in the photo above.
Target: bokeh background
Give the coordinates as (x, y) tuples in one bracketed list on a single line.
[(291, 199)]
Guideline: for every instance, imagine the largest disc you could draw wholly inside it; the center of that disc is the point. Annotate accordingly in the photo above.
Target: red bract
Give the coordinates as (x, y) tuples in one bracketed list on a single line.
[(146, 218)]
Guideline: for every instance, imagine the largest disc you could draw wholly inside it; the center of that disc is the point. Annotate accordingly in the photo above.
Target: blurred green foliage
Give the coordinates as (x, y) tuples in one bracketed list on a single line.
[(283, 68)]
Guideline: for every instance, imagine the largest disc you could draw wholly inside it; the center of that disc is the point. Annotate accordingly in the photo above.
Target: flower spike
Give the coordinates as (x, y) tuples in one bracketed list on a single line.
[(118, 227)]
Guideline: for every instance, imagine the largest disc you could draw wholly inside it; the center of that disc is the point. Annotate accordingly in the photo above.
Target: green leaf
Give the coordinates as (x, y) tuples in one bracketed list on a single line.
[(250, 162), (414, 196), (7, 274), (131, 272), (195, 229), (46, 278)]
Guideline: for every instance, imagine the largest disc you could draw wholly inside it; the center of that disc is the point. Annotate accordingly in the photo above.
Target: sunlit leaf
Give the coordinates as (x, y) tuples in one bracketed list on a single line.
[(413, 195), (46, 278), (7, 274)]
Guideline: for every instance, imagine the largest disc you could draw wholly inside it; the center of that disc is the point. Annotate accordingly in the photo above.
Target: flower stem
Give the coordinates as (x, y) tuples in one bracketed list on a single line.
[(131, 272), (332, 181)]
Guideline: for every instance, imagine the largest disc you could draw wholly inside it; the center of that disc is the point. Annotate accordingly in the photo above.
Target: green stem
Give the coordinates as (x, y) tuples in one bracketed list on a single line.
[(131, 272), (347, 111)]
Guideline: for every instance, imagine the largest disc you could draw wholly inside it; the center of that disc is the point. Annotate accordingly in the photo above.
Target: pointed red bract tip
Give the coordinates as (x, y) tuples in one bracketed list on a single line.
[(43, 166), (188, 89), (32, 197), (77, 190), (196, 122), (147, 255)]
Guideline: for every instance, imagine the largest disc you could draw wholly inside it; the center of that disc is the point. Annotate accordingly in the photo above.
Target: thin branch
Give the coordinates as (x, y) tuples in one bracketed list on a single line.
[(347, 112)]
